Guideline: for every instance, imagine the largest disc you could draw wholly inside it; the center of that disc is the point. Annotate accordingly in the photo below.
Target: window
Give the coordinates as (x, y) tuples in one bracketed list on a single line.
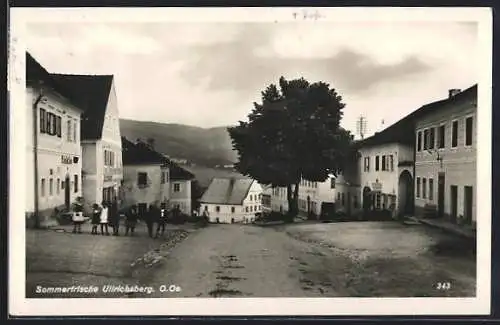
[(468, 131), (424, 188), (69, 132), (431, 138), (57, 186), (377, 201), (367, 164), (377, 163), (343, 199), (418, 187), (42, 187), (419, 141), (246, 209), (76, 183), (74, 131), (332, 182), (454, 134), (383, 163), (51, 187), (391, 164), (142, 179), (426, 139), (232, 209), (58, 126), (177, 187), (256, 208), (62, 185), (43, 115), (163, 177), (440, 137), (251, 208), (217, 209), (431, 189)]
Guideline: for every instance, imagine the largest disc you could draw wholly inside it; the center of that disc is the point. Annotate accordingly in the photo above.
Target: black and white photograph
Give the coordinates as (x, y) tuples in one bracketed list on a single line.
[(250, 161)]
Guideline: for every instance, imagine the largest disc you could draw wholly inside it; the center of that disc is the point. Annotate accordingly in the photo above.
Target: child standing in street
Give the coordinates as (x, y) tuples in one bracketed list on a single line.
[(78, 218), (96, 218), (131, 220), (104, 218), (162, 220)]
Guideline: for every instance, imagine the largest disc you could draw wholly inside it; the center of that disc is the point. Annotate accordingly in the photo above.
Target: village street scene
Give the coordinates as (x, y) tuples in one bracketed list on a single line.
[(276, 172)]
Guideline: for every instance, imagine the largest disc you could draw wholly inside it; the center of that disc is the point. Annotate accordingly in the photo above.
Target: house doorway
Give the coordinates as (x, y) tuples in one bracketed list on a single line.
[(441, 184), (67, 192), (406, 200), (468, 198), (453, 202)]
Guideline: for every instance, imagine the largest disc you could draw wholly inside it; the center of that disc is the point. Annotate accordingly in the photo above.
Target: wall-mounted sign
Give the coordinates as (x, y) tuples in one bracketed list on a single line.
[(66, 159), (377, 187), (108, 178)]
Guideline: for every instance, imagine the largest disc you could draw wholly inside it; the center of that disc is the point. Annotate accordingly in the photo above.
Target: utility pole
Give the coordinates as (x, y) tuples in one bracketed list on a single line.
[(361, 126)]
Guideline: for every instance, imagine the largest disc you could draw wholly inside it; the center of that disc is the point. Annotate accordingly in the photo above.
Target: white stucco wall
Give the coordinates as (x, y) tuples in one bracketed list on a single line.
[(97, 176), (154, 193), (181, 197), (51, 150)]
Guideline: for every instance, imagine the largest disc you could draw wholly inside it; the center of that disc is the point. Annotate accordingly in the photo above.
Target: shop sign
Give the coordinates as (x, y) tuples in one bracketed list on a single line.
[(377, 187), (66, 160)]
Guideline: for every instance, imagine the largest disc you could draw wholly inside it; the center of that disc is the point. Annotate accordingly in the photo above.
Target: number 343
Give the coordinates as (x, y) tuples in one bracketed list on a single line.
[(443, 286)]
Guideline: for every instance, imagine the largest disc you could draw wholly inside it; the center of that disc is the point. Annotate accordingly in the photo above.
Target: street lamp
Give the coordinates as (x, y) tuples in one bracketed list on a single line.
[(439, 157)]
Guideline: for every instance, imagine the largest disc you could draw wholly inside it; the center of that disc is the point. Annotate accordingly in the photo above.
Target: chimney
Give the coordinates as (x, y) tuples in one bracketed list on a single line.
[(453, 92)]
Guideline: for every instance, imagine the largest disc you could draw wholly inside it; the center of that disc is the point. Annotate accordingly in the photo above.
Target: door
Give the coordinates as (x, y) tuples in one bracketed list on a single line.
[(468, 204), (453, 202), (67, 191), (440, 195)]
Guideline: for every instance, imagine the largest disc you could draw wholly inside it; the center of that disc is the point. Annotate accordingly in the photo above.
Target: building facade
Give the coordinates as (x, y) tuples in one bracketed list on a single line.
[(146, 179), (102, 170), (180, 188), (232, 200), (267, 192), (445, 164), (311, 196), (386, 176), (53, 151)]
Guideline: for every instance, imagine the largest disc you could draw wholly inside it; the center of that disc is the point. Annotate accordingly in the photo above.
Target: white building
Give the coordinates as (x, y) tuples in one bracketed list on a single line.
[(100, 135), (385, 170), (146, 179), (267, 191), (180, 188), (446, 157), (232, 200), (311, 196), (53, 152)]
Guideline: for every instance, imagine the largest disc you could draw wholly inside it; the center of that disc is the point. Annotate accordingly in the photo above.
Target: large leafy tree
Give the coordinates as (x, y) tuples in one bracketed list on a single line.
[(293, 133)]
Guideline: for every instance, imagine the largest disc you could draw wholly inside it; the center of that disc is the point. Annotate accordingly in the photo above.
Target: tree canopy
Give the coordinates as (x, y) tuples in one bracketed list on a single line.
[(293, 133)]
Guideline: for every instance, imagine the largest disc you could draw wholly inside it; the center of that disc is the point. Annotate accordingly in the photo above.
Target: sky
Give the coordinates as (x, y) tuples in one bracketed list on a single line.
[(209, 74)]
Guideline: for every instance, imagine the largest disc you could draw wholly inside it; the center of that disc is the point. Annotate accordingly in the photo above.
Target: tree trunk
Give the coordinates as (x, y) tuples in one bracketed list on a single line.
[(293, 202)]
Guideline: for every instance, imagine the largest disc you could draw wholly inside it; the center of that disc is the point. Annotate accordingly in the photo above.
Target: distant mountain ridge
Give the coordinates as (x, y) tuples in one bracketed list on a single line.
[(202, 146)]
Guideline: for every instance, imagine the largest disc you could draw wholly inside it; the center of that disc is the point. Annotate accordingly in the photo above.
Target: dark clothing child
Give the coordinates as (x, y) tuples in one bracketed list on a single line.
[(131, 221), (150, 219), (96, 218), (114, 218)]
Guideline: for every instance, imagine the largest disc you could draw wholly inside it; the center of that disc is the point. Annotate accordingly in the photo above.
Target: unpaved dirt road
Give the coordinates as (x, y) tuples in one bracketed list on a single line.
[(319, 260)]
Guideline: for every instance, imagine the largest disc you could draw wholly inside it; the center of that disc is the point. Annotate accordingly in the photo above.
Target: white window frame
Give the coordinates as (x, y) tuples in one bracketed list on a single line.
[(465, 131), (179, 189)]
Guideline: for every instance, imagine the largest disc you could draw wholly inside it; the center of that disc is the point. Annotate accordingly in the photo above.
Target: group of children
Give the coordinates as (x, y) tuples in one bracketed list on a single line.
[(108, 214)]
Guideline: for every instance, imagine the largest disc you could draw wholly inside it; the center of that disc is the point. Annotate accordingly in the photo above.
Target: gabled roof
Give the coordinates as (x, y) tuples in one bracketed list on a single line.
[(178, 173), (403, 131), (140, 154), (230, 191), (91, 93), (36, 73)]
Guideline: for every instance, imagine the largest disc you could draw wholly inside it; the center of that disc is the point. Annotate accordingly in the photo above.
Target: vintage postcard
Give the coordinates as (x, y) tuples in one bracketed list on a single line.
[(250, 161)]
